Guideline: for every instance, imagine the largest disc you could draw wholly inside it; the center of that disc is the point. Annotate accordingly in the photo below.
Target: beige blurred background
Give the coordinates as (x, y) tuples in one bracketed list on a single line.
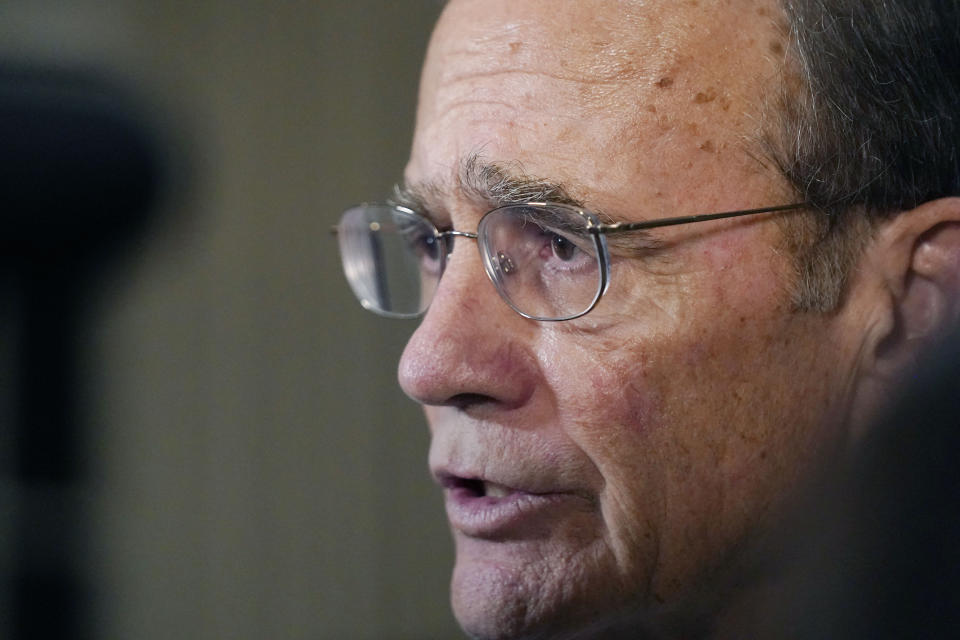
[(254, 470)]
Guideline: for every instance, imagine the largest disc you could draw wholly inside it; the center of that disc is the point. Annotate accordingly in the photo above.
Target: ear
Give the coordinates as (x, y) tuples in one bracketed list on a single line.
[(911, 273), (922, 274)]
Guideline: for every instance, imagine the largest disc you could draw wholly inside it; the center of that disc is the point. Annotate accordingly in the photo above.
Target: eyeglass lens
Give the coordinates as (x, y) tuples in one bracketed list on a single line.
[(542, 259), (392, 259)]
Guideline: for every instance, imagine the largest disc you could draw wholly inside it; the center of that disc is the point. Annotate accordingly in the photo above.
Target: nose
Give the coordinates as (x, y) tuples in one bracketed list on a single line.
[(470, 348)]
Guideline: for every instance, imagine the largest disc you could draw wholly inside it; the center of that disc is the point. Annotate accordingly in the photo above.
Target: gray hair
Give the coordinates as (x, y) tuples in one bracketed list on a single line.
[(867, 125)]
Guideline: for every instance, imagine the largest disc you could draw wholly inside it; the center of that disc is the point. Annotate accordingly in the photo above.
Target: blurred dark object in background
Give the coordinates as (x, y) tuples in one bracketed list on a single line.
[(902, 509), (80, 170), (871, 551)]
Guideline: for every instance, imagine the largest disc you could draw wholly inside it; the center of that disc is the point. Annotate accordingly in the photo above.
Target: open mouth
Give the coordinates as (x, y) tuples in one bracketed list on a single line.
[(481, 509), (476, 488)]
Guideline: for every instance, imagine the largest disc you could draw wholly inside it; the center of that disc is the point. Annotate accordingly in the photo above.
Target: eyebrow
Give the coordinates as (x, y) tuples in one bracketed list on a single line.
[(491, 185), (487, 184)]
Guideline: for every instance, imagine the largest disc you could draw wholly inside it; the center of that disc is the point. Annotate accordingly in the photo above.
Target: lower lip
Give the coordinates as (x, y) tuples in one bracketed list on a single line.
[(517, 515)]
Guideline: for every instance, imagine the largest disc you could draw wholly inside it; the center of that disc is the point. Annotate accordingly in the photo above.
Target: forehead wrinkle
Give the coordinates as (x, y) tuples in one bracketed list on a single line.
[(610, 79), (605, 59), (575, 93), (594, 48)]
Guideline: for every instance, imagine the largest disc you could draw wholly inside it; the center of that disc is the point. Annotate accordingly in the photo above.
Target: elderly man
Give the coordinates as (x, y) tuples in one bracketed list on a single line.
[(621, 393)]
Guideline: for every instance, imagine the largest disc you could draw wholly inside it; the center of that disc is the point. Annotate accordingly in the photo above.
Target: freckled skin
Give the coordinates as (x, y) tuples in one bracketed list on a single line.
[(686, 404)]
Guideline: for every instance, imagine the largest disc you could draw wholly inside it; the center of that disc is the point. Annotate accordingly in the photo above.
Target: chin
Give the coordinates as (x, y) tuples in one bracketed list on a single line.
[(495, 599)]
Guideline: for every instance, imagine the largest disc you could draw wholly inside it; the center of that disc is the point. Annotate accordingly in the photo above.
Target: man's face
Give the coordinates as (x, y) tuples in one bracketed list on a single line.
[(612, 462)]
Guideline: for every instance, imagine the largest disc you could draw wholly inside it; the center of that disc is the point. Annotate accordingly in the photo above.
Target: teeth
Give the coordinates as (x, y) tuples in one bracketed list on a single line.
[(492, 490)]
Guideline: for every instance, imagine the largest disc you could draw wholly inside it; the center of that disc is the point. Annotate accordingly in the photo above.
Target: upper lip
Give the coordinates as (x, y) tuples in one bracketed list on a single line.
[(466, 454)]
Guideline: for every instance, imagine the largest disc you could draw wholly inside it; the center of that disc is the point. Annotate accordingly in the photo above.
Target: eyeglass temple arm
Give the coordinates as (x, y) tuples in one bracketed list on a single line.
[(703, 217), (334, 230)]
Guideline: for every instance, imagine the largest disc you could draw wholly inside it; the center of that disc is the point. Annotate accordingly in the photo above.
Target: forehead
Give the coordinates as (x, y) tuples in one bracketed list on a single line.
[(606, 42), (584, 92)]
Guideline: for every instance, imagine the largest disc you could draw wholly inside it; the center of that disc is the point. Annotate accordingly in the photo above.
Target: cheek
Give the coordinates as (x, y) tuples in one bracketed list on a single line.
[(621, 394), (669, 419), (610, 408), (604, 389)]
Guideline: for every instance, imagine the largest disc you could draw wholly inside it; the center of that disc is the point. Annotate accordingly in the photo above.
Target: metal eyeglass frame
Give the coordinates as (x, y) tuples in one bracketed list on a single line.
[(596, 228)]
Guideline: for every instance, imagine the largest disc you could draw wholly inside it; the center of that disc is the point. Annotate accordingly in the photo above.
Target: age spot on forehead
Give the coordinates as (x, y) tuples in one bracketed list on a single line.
[(665, 82), (703, 97)]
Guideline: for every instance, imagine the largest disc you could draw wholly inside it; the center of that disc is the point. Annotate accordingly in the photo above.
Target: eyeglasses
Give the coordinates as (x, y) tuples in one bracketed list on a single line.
[(549, 262)]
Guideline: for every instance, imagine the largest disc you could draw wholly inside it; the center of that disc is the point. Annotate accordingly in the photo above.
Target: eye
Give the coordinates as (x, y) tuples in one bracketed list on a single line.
[(562, 248), (420, 239), (425, 245)]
